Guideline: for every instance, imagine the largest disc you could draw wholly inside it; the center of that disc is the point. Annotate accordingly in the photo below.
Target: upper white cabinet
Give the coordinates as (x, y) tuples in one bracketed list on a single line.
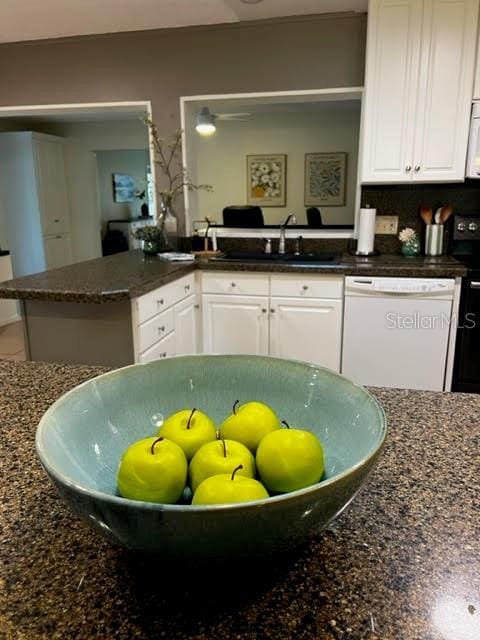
[(476, 87), (418, 89)]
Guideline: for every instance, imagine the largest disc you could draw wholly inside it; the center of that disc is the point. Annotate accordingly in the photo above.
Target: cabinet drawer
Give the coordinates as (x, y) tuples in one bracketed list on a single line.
[(155, 329), (250, 284), (162, 349), (305, 286), (164, 297)]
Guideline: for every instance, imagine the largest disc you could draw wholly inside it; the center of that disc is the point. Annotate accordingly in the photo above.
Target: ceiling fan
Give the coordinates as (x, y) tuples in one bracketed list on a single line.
[(205, 122)]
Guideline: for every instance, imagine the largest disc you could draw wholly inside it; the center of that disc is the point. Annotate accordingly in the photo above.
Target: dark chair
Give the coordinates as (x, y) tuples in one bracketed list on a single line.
[(314, 218), (243, 216)]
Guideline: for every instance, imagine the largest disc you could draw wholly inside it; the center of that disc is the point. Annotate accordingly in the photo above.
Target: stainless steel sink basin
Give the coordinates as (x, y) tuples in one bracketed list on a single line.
[(315, 259)]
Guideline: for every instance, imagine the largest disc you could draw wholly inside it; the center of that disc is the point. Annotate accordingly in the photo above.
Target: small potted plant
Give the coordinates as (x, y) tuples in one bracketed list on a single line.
[(410, 242), (154, 238)]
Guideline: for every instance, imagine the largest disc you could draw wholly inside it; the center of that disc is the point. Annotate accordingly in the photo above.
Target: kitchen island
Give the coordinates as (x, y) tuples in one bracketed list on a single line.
[(402, 563)]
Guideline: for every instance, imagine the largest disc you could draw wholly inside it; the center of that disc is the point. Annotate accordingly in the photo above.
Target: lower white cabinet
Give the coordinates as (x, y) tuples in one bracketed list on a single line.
[(307, 329), (166, 321), (235, 324), (299, 318)]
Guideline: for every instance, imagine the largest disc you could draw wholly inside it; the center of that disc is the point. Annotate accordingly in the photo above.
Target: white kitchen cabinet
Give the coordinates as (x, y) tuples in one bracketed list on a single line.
[(186, 326), (33, 189), (166, 321), (8, 308), (307, 329), (235, 324), (418, 90), (58, 251), (300, 316), (476, 87)]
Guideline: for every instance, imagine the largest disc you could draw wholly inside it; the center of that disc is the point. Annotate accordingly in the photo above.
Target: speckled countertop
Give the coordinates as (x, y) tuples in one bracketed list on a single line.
[(131, 274), (403, 563)]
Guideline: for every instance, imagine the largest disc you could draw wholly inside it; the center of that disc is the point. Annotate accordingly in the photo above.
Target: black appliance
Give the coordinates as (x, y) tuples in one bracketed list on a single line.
[(243, 216), (465, 246)]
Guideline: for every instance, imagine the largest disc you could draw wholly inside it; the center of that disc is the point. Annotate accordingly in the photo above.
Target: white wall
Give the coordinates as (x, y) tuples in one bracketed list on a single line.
[(221, 159), (130, 161)]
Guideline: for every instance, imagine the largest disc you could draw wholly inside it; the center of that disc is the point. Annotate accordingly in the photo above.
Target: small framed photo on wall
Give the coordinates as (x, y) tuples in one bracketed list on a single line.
[(123, 187), (325, 179), (266, 180)]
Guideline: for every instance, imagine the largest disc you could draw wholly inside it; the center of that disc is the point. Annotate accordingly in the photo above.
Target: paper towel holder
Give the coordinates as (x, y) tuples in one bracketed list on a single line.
[(372, 252)]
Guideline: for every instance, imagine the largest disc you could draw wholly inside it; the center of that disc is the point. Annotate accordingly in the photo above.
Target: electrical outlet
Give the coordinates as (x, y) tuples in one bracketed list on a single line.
[(386, 225)]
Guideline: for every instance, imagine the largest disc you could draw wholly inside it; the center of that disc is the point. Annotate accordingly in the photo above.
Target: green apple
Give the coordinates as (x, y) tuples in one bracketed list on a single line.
[(226, 488), (289, 459), (154, 470), (190, 429), (221, 456), (249, 424)]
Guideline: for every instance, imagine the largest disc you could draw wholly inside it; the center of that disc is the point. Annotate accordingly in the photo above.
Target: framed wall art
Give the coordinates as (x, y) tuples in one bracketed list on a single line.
[(325, 179), (123, 187), (266, 180)]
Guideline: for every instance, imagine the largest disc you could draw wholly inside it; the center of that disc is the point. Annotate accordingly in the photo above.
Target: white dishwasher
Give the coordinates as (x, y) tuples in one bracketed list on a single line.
[(396, 331)]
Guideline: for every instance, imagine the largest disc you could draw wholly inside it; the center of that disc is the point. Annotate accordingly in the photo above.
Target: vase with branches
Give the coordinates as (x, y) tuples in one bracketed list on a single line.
[(168, 159)]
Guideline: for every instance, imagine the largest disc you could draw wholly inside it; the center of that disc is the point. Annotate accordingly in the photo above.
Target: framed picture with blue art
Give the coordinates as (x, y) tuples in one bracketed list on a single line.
[(123, 187), (325, 179)]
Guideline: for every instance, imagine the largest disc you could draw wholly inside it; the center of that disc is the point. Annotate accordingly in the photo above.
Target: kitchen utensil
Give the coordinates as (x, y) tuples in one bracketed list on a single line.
[(445, 213), (426, 214), (82, 436), (438, 213)]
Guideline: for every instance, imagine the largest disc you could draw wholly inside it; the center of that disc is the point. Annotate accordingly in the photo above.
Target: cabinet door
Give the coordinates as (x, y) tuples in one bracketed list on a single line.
[(309, 330), (58, 251), (445, 92), (235, 324), (391, 77), (476, 87), (52, 186), (186, 331)]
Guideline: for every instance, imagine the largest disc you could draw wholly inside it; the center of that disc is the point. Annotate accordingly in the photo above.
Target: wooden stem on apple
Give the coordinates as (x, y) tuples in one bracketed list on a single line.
[(235, 406), (224, 447), (153, 445), (240, 466), (286, 424), (191, 416)]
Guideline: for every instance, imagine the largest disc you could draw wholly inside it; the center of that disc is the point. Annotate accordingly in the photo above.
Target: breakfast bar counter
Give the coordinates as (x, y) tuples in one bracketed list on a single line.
[(402, 563)]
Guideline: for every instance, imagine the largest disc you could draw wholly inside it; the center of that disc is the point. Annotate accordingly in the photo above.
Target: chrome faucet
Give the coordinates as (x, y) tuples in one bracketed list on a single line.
[(281, 240)]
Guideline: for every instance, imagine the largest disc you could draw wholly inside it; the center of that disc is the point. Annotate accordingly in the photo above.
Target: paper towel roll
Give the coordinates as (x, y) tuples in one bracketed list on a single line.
[(366, 231)]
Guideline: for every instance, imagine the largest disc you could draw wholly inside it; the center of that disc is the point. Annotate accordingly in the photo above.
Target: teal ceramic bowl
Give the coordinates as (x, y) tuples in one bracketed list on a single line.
[(81, 438)]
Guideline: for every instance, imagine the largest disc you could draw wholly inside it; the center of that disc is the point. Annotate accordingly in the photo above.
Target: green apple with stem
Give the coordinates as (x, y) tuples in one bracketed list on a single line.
[(249, 423), (153, 470), (289, 459), (189, 428), (226, 488), (221, 456)]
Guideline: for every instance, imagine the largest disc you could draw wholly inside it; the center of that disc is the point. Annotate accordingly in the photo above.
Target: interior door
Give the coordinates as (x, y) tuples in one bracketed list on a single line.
[(444, 105), (235, 324), (308, 330), (58, 251), (393, 54), (52, 187)]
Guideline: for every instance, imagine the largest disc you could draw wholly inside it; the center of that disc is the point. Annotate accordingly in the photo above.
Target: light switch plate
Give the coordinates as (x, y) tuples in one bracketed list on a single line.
[(386, 225)]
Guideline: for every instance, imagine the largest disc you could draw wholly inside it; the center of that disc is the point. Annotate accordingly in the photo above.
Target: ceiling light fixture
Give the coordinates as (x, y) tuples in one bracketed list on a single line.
[(205, 125)]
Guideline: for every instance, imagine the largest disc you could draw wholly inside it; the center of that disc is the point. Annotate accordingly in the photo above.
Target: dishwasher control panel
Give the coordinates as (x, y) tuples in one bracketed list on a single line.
[(406, 286)]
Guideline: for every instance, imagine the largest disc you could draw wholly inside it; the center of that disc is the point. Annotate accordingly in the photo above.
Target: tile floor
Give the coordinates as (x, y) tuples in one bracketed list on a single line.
[(12, 346)]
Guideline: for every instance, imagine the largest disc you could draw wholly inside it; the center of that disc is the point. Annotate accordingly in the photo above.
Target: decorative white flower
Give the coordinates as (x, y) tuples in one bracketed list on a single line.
[(275, 177), (275, 166), (254, 182), (265, 179), (264, 168), (407, 235)]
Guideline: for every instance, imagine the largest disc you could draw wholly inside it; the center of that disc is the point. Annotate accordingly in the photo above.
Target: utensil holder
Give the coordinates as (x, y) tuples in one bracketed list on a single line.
[(434, 239)]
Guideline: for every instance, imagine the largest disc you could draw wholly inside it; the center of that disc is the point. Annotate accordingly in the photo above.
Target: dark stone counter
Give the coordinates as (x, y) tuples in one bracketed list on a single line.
[(131, 274), (402, 563)]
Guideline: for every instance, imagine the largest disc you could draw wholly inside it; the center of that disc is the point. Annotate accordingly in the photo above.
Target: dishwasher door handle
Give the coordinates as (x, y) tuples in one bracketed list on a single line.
[(474, 284)]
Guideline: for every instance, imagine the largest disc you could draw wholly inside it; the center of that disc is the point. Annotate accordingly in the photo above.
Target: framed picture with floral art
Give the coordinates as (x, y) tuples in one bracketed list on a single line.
[(266, 180), (325, 179)]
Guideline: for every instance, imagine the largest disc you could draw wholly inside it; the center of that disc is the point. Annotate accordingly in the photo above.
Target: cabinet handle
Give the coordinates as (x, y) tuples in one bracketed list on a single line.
[(58, 237), (160, 329), (408, 168), (163, 355), (264, 311), (160, 301), (305, 287), (234, 284), (56, 220), (196, 306), (417, 168), (187, 287), (272, 310)]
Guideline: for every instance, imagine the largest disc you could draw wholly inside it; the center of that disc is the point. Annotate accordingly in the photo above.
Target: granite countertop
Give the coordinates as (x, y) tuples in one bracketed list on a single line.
[(131, 274), (402, 563)]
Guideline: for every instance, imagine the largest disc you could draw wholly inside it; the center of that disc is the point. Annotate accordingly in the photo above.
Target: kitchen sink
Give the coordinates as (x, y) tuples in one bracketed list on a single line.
[(291, 258)]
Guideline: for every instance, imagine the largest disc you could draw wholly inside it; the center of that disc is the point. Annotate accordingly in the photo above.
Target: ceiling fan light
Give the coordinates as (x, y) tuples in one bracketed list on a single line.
[(205, 124)]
